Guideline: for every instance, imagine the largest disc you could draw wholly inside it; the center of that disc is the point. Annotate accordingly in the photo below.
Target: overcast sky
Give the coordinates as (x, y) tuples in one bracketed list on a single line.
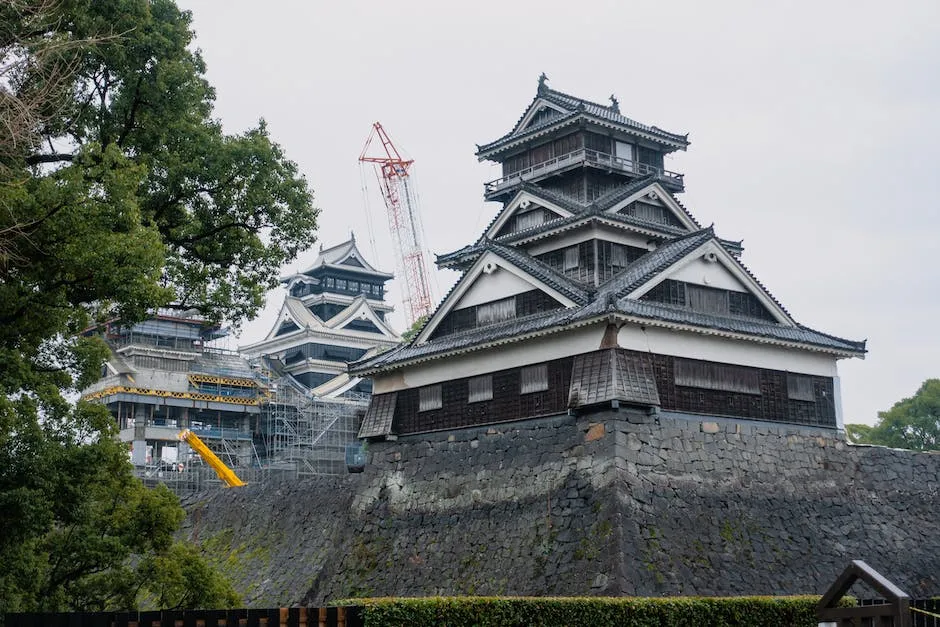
[(814, 130)]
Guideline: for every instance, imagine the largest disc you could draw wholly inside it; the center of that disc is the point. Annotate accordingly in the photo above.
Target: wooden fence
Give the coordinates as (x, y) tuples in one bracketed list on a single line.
[(276, 617)]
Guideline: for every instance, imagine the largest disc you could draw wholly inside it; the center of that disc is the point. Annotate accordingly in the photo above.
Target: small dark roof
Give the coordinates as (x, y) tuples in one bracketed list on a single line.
[(378, 419), (612, 375), (574, 110)]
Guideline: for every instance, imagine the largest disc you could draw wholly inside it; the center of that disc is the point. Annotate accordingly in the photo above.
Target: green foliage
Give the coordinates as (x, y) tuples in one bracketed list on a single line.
[(912, 423), (80, 532), (210, 217), (631, 612), (181, 579), (410, 334), (119, 193)]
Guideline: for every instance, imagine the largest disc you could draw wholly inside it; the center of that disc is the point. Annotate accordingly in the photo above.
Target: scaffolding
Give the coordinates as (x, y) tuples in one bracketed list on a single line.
[(307, 433)]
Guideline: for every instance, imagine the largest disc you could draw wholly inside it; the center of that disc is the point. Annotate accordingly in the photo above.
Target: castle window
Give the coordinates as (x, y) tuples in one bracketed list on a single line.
[(707, 299), (330, 282), (429, 398), (800, 388), (618, 256), (480, 389), (533, 379), (650, 213), (529, 219), (341, 284), (712, 376), (497, 311), (572, 260), (354, 286)]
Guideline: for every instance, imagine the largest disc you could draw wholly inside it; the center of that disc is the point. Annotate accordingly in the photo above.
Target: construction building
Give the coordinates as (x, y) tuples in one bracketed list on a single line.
[(284, 407)]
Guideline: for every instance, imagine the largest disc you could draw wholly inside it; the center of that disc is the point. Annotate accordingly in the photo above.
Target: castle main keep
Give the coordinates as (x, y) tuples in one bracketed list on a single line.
[(594, 287), (608, 402)]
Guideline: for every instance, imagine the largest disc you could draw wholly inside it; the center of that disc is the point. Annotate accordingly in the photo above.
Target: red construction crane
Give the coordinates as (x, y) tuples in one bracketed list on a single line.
[(404, 221)]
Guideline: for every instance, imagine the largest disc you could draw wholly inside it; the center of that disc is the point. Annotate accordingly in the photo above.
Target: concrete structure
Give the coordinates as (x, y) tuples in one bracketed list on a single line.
[(162, 377)]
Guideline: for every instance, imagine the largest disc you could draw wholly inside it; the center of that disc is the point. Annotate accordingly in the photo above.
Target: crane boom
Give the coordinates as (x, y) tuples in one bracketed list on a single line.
[(225, 473), (404, 220)]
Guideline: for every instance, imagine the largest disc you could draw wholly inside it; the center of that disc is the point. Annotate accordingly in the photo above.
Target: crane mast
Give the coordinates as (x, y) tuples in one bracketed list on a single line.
[(404, 220)]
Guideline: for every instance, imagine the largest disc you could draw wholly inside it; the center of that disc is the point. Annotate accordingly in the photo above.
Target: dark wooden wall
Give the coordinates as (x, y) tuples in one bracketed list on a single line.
[(776, 401)]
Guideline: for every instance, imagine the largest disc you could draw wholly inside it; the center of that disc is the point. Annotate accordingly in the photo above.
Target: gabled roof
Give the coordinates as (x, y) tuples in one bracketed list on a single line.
[(654, 262), (542, 276), (294, 310), (360, 308), (641, 187), (344, 256), (571, 110), (581, 212), (561, 206), (618, 297)]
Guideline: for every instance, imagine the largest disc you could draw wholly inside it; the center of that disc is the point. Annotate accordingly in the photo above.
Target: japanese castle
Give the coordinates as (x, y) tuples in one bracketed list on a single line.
[(333, 313), (595, 288)]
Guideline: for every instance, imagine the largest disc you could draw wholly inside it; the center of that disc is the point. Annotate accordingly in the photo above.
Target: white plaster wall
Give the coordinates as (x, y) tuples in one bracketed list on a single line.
[(161, 380), (712, 274), (514, 355), (490, 287), (725, 350)]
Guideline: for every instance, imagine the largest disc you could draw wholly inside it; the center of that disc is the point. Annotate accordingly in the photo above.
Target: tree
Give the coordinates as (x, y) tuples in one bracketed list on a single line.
[(119, 193), (912, 423)]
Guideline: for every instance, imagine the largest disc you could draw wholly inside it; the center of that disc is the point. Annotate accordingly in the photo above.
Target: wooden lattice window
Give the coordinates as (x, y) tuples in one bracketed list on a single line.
[(480, 389), (430, 397), (712, 376), (529, 219), (572, 260), (800, 388), (707, 299), (496, 311), (533, 379)]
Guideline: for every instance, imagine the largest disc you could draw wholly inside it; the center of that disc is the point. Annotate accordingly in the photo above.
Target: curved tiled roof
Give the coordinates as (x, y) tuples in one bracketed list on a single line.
[(578, 108), (610, 299)]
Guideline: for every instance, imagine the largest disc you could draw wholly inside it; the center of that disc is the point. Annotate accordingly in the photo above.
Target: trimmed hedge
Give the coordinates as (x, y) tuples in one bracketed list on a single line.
[(794, 611)]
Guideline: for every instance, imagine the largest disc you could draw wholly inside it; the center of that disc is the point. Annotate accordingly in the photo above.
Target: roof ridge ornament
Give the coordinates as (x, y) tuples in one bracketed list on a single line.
[(614, 104), (543, 87)]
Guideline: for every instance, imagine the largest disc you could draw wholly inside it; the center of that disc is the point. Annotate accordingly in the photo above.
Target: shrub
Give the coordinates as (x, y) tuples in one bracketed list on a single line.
[(794, 611)]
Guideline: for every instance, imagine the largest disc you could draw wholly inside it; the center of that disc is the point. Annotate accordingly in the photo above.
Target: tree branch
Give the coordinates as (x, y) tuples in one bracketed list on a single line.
[(55, 158)]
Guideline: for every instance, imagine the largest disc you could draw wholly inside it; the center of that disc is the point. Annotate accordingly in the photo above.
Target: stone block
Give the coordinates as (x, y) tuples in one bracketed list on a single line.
[(595, 432)]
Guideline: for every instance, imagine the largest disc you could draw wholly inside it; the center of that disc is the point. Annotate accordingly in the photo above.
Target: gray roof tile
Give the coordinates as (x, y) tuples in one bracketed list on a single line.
[(378, 419)]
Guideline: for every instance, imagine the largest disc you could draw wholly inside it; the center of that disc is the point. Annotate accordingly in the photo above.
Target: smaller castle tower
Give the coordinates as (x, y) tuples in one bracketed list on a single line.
[(333, 313)]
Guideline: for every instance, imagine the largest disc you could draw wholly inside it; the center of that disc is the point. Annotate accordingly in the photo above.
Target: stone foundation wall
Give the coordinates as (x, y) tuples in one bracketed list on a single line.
[(617, 503)]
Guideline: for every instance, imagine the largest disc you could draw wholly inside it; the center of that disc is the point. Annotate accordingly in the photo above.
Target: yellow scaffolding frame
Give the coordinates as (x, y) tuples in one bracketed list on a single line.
[(195, 396)]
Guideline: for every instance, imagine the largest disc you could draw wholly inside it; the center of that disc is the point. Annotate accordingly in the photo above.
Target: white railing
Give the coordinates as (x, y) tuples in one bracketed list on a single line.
[(576, 157)]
